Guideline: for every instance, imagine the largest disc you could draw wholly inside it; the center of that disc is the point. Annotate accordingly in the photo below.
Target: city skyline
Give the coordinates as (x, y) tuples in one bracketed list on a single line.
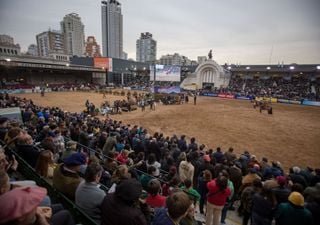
[(246, 32)]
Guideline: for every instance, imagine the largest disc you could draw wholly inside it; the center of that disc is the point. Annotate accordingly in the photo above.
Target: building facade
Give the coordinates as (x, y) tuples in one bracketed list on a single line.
[(32, 50), (146, 48), (92, 47), (112, 29), (73, 30), (8, 47), (175, 59), (6, 39), (202, 59), (51, 44)]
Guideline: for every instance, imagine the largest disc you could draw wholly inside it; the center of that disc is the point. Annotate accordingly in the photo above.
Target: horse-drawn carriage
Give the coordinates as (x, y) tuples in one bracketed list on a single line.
[(263, 105)]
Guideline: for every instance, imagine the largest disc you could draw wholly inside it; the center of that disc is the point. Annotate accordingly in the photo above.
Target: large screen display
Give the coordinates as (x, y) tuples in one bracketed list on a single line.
[(102, 62), (165, 73)]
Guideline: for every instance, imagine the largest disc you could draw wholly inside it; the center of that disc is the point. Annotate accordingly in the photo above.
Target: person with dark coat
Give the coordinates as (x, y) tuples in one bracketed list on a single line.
[(281, 192), (27, 150), (178, 204), (121, 207), (293, 212)]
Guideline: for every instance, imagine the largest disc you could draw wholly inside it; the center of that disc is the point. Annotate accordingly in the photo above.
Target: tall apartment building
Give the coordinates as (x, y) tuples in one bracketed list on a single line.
[(146, 48), (73, 30), (92, 47), (112, 29), (51, 44)]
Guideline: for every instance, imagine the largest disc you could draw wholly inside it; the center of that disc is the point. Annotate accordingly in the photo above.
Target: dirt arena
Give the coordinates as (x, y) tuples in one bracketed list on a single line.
[(291, 135)]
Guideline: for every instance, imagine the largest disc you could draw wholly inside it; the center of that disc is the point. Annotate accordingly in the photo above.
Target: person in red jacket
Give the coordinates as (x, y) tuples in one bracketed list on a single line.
[(154, 199), (216, 199)]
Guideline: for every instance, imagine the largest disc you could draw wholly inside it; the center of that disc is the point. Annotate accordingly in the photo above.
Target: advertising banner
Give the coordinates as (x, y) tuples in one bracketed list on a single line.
[(103, 62), (312, 103), (168, 90), (280, 100), (225, 96), (210, 94), (273, 100), (243, 98)]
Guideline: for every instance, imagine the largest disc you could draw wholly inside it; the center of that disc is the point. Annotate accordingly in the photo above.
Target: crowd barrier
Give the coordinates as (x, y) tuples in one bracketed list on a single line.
[(312, 103), (280, 100), (273, 100), (226, 96)]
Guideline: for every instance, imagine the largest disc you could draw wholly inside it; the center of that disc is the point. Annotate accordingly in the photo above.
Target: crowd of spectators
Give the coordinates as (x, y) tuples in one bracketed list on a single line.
[(293, 88), (149, 178)]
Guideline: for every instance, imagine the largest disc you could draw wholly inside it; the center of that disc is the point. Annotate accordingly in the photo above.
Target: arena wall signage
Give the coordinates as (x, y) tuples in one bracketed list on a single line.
[(243, 97), (273, 100), (312, 103), (226, 96), (210, 94)]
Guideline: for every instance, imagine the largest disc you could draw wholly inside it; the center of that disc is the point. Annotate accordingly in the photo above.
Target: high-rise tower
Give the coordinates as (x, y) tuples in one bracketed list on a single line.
[(146, 48), (73, 31), (112, 29)]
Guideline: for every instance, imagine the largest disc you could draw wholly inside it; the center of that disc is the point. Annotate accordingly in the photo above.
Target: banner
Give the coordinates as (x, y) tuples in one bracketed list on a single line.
[(312, 103), (210, 94), (103, 62), (287, 101), (243, 98), (226, 96), (168, 90), (273, 100)]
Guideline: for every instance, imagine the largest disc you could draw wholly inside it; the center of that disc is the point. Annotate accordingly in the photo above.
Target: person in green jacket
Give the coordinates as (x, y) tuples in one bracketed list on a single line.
[(188, 188), (293, 212)]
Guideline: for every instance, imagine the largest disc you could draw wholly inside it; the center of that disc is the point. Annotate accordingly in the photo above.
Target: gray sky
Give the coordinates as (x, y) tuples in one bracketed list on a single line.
[(238, 31)]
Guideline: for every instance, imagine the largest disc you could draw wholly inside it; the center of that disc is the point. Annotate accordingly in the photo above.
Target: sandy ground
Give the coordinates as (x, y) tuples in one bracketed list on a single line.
[(291, 135)]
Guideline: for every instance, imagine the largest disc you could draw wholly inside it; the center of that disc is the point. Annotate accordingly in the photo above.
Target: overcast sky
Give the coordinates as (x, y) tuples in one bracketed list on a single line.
[(238, 31)]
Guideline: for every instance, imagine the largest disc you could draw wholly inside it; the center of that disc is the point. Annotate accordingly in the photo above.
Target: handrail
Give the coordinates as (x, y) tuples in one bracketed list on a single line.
[(26, 170), (105, 156)]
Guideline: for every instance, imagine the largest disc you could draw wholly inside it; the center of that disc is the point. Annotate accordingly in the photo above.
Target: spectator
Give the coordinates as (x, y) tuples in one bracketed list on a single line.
[(178, 204), (293, 212), (281, 192), (154, 199), (66, 178), (186, 169), (247, 197), (90, 187), (263, 205), (45, 165), (121, 207), (216, 199), (22, 208), (152, 162)]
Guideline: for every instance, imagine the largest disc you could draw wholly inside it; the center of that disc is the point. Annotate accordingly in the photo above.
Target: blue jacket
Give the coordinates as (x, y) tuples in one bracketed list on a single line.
[(161, 217)]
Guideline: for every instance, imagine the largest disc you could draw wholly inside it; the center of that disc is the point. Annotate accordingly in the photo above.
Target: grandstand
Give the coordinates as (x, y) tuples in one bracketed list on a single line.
[(53, 129)]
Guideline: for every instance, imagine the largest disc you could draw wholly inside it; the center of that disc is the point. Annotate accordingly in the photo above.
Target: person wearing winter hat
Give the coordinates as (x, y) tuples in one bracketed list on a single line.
[(281, 192), (293, 212), (21, 206), (66, 178), (121, 207)]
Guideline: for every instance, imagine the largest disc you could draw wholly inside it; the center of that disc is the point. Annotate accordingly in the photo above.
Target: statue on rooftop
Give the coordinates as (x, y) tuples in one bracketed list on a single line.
[(210, 54)]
